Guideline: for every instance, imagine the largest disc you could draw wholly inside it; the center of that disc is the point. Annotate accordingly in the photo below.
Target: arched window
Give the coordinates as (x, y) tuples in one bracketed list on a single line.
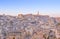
[(13, 37)]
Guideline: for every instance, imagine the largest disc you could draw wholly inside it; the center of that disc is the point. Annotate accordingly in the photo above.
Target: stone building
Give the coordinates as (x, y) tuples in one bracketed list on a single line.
[(28, 27)]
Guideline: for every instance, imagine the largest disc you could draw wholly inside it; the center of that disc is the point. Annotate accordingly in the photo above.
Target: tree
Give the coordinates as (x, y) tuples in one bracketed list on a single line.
[(51, 35), (45, 36)]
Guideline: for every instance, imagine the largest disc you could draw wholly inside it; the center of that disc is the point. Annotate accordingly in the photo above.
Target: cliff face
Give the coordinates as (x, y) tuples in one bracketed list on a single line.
[(28, 27)]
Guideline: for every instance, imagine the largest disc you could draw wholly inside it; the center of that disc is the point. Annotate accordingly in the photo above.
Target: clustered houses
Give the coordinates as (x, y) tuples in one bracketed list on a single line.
[(29, 26)]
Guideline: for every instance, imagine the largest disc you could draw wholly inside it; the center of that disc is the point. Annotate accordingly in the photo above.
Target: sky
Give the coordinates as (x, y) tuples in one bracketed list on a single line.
[(45, 7)]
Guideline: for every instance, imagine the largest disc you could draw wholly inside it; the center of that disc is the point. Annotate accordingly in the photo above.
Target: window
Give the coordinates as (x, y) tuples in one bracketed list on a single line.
[(4, 38), (33, 22), (13, 37)]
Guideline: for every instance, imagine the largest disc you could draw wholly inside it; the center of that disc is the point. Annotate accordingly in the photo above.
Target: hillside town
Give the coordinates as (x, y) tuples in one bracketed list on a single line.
[(29, 26)]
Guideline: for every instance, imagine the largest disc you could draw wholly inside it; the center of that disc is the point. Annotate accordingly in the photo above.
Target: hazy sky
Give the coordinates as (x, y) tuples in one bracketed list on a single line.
[(13, 7)]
